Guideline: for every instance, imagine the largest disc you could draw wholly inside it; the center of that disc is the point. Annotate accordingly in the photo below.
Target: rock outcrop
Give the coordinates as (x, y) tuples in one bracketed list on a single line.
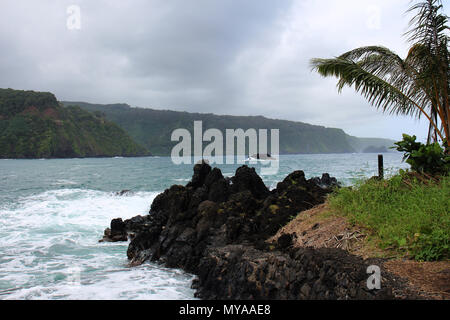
[(241, 273), (217, 228)]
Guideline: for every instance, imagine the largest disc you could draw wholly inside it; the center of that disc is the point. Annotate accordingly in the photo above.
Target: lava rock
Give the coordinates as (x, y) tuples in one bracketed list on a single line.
[(285, 241), (124, 192), (217, 228), (117, 226), (116, 233), (247, 179), (201, 171), (326, 182)]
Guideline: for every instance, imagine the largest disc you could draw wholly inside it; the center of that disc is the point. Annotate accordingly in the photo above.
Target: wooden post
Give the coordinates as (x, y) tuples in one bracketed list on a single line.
[(380, 167)]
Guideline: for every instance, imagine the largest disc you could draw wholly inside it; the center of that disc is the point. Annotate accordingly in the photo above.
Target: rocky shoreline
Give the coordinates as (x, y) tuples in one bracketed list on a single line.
[(217, 228)]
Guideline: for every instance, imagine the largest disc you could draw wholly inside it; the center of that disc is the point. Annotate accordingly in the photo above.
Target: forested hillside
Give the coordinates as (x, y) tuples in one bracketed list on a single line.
[(152, 129), (34, 125)]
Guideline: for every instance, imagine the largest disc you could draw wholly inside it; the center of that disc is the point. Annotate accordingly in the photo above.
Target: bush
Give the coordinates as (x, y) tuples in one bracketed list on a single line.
[(430, 158), (429, 247)]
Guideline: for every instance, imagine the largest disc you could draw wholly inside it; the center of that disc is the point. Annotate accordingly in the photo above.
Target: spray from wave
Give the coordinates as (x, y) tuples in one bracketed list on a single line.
[(50, 250)]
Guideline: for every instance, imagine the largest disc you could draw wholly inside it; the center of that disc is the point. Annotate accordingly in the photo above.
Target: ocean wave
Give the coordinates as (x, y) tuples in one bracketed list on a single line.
[(46, 235)]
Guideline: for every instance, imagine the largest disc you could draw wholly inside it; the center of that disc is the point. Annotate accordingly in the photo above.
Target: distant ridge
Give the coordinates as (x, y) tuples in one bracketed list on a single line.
[(152, 129)]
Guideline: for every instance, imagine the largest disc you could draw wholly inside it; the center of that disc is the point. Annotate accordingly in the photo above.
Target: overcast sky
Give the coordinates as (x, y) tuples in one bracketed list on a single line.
[(243, 57)]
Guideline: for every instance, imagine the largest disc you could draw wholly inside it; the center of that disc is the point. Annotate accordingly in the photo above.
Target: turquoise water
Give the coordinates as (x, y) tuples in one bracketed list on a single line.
[(53, 212)]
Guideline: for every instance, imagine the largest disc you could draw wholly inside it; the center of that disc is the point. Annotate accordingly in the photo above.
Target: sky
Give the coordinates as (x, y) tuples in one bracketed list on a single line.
[(238, 57)]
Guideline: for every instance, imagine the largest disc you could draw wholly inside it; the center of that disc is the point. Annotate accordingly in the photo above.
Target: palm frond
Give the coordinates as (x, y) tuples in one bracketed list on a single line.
[(377, 90), (418, 85)]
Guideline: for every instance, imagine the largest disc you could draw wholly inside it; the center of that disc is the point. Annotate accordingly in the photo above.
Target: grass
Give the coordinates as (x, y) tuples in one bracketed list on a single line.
[(406, 214)]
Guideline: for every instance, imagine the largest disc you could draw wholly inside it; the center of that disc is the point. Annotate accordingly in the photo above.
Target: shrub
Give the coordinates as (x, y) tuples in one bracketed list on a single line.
[(430, 158), (429, 247)]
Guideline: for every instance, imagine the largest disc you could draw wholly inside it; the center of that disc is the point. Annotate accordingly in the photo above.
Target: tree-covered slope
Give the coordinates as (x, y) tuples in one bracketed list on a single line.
[(153, 128), (34, 125)]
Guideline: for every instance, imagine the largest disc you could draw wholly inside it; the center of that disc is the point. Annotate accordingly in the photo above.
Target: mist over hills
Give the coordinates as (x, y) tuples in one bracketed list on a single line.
[(153, 128)]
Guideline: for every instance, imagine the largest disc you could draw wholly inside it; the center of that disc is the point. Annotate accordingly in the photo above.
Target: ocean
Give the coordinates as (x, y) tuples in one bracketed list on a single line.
[(53, 212)]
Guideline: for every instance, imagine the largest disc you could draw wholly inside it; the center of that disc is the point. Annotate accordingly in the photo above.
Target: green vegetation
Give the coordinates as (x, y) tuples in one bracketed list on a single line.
[(408, 213), (418, 85), (153, 128), (430, 158), (34, 125)]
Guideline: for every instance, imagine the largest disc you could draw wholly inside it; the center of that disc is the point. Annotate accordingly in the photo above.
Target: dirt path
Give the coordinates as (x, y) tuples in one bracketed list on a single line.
[(319, 227)]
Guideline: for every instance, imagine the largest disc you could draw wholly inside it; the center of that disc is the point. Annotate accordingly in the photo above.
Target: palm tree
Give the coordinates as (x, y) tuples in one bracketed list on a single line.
[(417, 85)]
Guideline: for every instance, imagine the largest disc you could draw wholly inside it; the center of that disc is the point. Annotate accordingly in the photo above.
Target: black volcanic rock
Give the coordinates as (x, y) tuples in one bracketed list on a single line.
[(247, 179), (326, 181), (285, 241), (201, 171), (240, 272), (296, 178), (218, 229), (117, 226), (117, 231)]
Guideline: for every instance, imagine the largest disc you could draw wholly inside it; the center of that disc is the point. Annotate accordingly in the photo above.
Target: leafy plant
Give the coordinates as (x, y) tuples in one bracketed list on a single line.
[(430, 158), (431, 247)]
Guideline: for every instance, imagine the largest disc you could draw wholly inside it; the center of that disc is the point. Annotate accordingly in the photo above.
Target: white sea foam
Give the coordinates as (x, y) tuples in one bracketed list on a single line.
[(45, 237), (182, 180)]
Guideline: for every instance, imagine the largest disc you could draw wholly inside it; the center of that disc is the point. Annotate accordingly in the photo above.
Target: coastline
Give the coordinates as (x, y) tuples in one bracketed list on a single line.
[(69, 192), (89, 157), (168, 155), (217, 228)]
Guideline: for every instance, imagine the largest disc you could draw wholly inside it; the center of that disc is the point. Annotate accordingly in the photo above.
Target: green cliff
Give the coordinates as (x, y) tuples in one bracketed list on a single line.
[(35, 125)]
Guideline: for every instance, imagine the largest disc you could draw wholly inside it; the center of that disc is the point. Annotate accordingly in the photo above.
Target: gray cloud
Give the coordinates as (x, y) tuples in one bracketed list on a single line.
[(227, 57)]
